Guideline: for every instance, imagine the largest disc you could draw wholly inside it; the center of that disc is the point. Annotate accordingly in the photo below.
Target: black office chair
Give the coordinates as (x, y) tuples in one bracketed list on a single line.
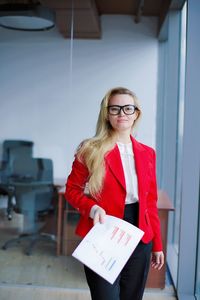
[(32, 183), (12, 150)]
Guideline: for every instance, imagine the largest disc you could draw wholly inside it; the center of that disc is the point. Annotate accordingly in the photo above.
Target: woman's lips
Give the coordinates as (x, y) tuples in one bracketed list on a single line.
[(122, 120)]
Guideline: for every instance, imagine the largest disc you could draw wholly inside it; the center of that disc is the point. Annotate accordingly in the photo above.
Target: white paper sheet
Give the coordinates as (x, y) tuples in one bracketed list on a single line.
[(107, 247)]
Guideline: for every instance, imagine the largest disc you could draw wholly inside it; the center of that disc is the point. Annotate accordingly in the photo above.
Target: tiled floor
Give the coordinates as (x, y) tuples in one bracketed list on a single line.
[(43, 293), (45, 275)]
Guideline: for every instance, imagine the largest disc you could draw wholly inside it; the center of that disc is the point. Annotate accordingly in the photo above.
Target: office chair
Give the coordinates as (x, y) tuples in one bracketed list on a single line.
[(12, 150), (32, 181)]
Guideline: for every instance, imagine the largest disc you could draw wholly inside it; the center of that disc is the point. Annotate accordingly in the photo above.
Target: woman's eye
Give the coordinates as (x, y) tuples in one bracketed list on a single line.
[(114, 109), (128, 108)]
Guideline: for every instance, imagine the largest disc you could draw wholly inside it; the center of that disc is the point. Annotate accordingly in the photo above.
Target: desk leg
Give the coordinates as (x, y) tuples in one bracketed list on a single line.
[(59, 223)]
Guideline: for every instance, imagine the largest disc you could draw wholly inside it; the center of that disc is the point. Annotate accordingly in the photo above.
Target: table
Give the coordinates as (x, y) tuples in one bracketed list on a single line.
[(156, 279), (67, 240)]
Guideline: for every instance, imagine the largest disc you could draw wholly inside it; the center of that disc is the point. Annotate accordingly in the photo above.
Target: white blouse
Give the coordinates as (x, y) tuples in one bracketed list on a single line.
[(128, 163)]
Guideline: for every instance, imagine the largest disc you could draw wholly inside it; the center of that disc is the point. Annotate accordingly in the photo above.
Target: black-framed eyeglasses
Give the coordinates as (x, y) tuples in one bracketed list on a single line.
[(128, 109)]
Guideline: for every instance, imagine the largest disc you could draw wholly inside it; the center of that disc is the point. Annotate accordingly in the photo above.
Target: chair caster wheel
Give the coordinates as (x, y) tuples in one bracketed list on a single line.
[(9, 217)]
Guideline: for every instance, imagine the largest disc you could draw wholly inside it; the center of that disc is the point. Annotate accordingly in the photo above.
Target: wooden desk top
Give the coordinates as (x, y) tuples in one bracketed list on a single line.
[(164, 201)]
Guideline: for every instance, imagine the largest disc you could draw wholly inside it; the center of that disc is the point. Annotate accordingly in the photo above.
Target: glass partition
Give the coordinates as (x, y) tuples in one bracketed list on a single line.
[(197, 286), (51, 91), (180, 124)]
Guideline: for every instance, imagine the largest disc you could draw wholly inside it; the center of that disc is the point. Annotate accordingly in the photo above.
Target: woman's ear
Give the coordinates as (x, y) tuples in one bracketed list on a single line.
[(137, 113)]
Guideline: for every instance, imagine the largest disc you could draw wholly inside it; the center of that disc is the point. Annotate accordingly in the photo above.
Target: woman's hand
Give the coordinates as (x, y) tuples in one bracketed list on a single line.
[(157, 260), (97, 214)]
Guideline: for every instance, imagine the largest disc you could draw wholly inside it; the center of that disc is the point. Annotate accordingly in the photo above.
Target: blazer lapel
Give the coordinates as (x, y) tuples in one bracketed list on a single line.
[(141, 164), (115, 164)]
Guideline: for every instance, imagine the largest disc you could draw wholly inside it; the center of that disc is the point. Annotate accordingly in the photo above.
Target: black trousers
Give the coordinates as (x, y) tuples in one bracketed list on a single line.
[(130, 283)]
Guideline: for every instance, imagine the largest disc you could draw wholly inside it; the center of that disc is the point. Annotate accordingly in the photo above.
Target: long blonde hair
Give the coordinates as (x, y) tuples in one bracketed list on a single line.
[(93, 150)]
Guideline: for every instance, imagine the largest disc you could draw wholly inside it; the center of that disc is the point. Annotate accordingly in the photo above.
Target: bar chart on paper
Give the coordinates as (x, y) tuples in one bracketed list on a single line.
[(108, 246)]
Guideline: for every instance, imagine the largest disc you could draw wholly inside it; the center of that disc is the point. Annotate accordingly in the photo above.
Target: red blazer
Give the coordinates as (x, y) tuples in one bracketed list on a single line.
[(113, 194)]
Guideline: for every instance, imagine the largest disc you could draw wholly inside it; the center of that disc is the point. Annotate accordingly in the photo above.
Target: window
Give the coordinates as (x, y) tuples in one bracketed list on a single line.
[(180, 123), (197, 289)]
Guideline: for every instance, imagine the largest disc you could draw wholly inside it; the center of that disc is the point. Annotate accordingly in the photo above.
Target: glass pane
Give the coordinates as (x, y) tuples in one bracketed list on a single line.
[(197, 290), (180, 128)]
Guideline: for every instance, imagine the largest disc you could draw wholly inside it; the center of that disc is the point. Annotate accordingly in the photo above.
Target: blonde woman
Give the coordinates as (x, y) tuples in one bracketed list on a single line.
[(119, 173)]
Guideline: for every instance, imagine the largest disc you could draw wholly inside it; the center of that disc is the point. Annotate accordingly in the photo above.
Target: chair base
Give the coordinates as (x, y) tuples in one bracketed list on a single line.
[(34, 238)]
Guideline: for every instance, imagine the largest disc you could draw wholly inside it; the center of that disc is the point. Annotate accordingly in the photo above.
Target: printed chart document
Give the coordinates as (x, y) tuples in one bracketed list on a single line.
[(107, 247)]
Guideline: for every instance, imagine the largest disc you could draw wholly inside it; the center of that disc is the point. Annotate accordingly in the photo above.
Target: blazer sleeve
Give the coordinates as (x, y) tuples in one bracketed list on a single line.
[(152, 207), (75, 186)]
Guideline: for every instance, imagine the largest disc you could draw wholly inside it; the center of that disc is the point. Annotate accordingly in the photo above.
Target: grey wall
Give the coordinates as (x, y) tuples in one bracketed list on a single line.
[(41, 100)]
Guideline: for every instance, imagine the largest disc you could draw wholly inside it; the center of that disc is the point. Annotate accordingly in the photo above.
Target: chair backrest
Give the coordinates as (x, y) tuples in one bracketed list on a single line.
[(32, 169), (14, 150), (33, 182), (20, 165), (23, 169), (45, 169)]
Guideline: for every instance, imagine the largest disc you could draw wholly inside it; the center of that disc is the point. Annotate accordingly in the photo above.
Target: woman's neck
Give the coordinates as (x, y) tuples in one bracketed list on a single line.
[(124, 138)]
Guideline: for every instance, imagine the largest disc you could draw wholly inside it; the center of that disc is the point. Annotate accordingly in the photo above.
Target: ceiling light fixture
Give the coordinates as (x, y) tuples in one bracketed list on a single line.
[(26, 16)]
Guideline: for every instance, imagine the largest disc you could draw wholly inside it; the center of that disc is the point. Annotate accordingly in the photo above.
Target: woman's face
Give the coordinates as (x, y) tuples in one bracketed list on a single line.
[(121, 121)]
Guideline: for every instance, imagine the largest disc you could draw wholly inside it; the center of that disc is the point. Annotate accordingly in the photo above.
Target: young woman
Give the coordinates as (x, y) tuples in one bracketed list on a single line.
[(114, 174)]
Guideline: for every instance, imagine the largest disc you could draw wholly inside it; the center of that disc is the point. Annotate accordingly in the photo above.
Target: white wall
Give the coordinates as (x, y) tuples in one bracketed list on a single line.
[(41, 101)]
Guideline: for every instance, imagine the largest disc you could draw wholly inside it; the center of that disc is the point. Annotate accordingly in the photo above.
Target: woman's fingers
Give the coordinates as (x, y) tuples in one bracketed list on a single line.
[(99, 215), (157, 260)]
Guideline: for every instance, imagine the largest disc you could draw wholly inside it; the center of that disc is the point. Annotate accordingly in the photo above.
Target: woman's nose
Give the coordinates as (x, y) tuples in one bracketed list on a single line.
[(121, 113)]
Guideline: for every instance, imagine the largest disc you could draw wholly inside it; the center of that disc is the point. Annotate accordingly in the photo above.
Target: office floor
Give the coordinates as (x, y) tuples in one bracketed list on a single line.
[(43, 275)]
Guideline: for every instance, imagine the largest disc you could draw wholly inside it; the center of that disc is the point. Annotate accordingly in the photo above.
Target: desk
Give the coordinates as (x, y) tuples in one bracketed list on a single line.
[(67, 240), (156, 279)]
